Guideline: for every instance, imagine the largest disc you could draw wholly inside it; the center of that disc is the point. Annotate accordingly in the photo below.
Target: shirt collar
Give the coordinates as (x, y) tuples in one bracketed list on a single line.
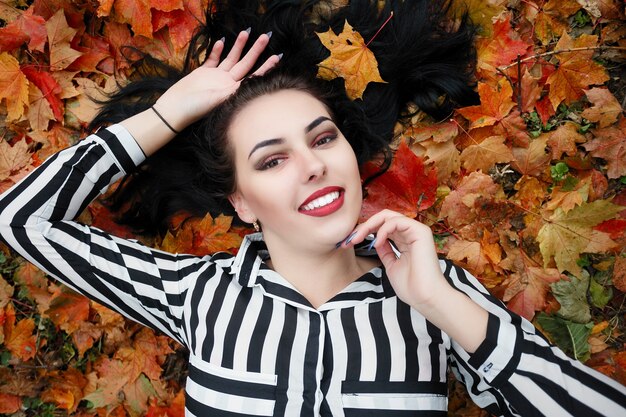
[(250, 270)]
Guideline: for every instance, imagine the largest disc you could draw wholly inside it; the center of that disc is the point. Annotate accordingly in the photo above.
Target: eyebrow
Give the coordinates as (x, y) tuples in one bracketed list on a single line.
[(278, 141)]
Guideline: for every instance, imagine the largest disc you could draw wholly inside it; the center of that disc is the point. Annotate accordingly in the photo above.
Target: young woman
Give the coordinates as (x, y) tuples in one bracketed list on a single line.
[(312, 316)]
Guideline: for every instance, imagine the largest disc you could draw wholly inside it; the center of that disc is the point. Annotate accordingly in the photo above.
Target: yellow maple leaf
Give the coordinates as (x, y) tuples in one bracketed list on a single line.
[(349, 59), (568, 234), (13, 86)]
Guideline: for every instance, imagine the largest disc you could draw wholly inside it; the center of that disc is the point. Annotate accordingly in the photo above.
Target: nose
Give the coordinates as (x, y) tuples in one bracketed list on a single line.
[(313, 167)]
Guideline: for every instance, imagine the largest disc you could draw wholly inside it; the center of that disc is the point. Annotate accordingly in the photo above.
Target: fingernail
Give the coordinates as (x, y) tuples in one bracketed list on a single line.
[(269, 34), (350, 237), (371, 244), (248, 30), (223, 40), (280, 56)]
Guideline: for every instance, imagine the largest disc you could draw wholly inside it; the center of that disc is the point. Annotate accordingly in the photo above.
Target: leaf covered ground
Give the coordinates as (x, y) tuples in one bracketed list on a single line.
[(527, 190)]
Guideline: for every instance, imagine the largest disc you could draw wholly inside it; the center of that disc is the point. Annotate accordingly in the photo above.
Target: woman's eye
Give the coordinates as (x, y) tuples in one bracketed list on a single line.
[(269, 163), (325, 139)]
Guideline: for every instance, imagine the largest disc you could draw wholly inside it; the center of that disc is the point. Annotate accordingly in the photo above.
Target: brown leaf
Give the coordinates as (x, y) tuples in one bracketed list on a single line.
[(39, 110), (19, 338), (6, 292), (605, 108), (484, 155), (470, 255), (446, 158), (59, 37), (564, 140), (9, 403), (65, 388), (349, 59), (13, 158), (610, 144), (533, 160), (619, 273)]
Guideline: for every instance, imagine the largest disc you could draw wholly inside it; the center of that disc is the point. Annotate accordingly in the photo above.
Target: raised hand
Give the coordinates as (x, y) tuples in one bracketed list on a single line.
[(208, 85), (198, 92)]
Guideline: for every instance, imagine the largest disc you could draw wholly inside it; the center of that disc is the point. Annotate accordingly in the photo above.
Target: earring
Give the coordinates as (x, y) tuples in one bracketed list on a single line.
[(256, 226)]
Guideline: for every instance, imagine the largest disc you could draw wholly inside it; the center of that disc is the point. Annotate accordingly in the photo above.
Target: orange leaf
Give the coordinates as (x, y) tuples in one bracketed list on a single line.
[(28, 27), (564, 140), (532, 160), (65, 388), (527, 285), (446, 158), (531, 91), (59, 36), (212, 235), (605, 108), (146, 355), (111, 378), (13, 86), (459, 205), (576, 70), (619, 273), (470, 255), (13, 158), (439, 132), (495, 105), (349, 59), (407, 187), (176, 408), (19, 338), (68, 309), (552, 19), (486, 154), (136, 13), (9, 403), (610, 144), (499, 49), (181, 25)]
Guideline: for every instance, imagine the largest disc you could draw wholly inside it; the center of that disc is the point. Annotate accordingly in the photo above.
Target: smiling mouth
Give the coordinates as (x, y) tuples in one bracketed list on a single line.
[(321, 201)]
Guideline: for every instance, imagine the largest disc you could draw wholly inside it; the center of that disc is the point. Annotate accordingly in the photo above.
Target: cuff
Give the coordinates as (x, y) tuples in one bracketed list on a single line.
[(120, 143), (497, 356)]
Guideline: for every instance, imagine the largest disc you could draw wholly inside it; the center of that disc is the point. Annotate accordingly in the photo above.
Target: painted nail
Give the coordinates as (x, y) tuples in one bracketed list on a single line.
[(269, 34), (350, 237), (223, 40), (280, 56), (371, 244), (248, 30)]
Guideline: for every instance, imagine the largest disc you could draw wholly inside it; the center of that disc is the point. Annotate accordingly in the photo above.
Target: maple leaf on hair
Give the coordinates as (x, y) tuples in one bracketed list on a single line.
[(350, 59)]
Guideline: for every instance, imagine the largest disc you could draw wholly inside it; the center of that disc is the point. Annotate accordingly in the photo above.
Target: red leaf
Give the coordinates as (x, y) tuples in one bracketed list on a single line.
[(28, 27), (48, 86), (407, 187)]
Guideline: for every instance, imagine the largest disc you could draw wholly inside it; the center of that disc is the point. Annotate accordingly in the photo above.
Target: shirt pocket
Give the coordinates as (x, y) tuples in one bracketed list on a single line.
[(213, 390), (398, 399)]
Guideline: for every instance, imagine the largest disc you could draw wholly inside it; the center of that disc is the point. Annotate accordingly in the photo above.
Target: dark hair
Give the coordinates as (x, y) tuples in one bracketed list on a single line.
[(420, 56)]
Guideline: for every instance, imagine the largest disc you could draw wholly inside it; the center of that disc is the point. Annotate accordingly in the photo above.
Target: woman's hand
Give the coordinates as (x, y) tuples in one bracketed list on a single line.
[(211, 83), (416, 275), (417, 279), (198, 92)]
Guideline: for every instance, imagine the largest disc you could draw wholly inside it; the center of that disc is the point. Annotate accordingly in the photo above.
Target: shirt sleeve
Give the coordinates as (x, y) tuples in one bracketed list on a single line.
[(517, 372), (144, 284)]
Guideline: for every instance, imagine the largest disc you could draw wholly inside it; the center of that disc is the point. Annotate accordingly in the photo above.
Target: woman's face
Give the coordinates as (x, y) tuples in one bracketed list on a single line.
[(296, 173)]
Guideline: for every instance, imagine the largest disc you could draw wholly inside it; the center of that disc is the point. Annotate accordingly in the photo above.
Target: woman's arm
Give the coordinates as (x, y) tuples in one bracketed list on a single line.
[(36, 215), (508, 367)]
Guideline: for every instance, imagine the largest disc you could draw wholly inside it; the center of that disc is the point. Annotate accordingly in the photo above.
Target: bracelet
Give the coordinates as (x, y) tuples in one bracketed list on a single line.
[(164, 121)]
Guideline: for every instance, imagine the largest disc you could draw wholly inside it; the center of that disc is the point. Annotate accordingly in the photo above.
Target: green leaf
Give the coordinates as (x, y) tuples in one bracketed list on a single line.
[(600, 294), (572, 295), (569, 336)]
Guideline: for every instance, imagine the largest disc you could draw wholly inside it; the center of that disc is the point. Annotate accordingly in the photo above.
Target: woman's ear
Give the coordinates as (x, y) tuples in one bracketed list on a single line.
[(241, 207)]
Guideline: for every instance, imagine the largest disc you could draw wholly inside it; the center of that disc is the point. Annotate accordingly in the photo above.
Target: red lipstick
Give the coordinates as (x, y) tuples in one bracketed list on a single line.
[(327, 208)]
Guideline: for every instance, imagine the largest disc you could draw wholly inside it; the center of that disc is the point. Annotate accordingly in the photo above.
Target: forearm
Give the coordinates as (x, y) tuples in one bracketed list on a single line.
[(149, 131), (458, 316)]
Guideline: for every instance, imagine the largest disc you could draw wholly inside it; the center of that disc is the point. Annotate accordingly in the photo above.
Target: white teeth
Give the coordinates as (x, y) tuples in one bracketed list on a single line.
[(322, 201)]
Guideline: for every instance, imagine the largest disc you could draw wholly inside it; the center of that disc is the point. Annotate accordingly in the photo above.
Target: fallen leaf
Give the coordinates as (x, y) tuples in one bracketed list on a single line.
[(495, 105), (499, 49), (13, 158), (551, 20), (619, 273), (565, 236), (136, 13), (484, 155), (407, 187), (349, 59), (564, 140), (576, 70), (469, 255), (446, 158), (19, 338), (610, 144), (39, 111), (68, 309), (481, 12), (9, 403), (65, 388), (59, 37), (28, 27), (533, 160), (605, 109), (13, 86)]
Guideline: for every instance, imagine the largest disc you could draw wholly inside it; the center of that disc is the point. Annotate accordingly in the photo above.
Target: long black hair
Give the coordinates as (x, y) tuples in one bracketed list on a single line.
[(424, 56)]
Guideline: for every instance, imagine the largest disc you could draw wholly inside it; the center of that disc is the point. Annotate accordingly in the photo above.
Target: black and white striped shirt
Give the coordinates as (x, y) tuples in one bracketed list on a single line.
[(257, 346)]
